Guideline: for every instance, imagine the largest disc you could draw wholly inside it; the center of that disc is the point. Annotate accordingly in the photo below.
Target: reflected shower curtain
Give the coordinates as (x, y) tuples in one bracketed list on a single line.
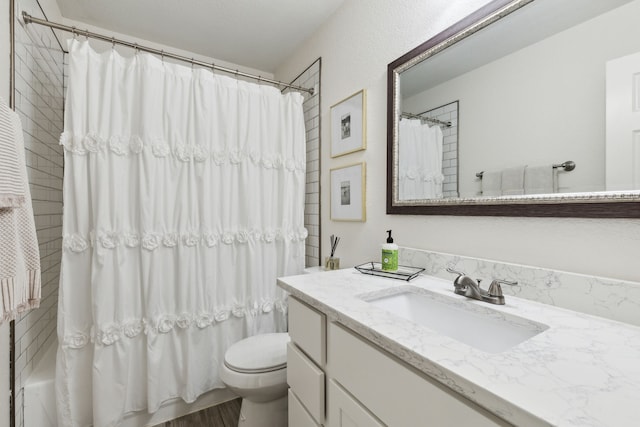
[(183, 201), (420, 160)]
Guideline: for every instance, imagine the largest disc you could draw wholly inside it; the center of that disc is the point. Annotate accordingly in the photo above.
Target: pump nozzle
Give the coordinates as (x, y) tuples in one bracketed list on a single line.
[(389, 239)]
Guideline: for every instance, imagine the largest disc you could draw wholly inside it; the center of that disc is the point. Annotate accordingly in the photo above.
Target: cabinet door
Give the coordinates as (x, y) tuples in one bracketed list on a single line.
[(345, 411), (298, 416), (399, 395)]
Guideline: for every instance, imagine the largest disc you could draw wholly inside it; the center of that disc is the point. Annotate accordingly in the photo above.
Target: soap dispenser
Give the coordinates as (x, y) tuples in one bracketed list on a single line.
[(389, 254)]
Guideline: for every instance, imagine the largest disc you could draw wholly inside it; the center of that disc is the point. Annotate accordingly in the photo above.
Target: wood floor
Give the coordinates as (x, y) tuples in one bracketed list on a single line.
[(224, 415)]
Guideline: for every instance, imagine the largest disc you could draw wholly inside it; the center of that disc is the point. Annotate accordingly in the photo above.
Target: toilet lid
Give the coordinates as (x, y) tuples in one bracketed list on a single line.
[(259, 353)]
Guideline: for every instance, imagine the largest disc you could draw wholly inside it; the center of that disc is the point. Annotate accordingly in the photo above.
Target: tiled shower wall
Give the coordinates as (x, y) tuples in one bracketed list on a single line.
[(311, 78), (448, 113), (39, 101)]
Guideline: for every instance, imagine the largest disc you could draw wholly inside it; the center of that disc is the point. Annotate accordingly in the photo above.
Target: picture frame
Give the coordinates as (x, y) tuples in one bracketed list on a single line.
[(348, 125), (348, 195)]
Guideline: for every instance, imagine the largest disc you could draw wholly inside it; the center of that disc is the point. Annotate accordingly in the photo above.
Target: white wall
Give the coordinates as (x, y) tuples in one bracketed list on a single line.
[(5, 52), (541, 105), (356, 45)]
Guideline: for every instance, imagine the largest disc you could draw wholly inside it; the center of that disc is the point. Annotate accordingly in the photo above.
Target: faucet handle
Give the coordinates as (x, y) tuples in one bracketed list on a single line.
[(456, 281), (495, 290), (459, 273), (506, 282)]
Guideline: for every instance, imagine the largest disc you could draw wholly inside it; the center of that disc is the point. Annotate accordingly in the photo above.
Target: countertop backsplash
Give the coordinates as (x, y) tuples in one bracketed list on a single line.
[(610, 298)]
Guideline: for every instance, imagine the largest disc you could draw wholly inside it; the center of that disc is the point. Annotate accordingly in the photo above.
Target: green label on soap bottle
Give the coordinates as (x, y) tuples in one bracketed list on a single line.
[(389, 259)]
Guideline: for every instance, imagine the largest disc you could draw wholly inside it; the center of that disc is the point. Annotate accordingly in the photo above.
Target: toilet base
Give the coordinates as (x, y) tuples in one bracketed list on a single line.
[(264, 414)]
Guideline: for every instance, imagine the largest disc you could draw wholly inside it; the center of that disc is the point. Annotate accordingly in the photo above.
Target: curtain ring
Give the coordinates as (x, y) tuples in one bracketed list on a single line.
[(137, 48), (113, 43), (86, 34), (73, 31), (192, 63), (162, 55)]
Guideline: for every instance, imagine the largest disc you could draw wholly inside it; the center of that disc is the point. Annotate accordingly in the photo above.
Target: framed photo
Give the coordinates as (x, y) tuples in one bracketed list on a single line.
[(348, 127), (348, 193)]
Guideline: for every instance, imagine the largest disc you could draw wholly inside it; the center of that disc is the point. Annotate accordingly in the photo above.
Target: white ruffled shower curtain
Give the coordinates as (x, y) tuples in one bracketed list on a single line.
[(183, 201), (420, 160)]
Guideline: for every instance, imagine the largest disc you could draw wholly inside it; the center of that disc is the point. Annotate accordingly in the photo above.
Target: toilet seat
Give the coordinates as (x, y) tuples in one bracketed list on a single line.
[(258, 354), (255, 368)]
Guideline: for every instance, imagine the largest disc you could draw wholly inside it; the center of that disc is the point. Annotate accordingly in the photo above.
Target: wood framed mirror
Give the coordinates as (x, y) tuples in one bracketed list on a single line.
[(521, 98)]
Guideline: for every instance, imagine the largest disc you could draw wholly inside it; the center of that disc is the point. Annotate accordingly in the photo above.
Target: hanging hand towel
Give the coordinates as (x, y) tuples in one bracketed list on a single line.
[(11, 182), (492, 183), (538, 180), (20, 257), (513, 181)]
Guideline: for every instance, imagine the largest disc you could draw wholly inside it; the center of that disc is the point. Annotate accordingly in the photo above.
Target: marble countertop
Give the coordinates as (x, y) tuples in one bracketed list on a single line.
[(582, 371)]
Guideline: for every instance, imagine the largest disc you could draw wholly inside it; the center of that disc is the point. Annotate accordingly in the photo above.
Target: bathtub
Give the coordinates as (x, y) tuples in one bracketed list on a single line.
[(39, 392), (40, 400)]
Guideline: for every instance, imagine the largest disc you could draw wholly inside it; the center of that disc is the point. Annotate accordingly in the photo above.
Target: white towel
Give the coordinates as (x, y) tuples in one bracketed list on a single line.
[(538, 180), (19, 255), (513, 181), (11, 179), (492, 183)]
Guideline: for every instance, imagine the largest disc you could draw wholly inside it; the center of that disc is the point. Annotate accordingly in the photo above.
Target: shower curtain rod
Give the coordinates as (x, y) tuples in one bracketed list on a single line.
[(30, 19), (429, 119)]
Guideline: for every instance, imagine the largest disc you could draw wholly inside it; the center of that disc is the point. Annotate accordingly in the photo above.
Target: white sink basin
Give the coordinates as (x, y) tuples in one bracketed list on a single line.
[(476, 325)]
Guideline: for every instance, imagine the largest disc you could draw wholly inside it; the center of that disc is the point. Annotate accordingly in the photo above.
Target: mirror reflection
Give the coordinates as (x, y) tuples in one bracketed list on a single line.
[(545, 100), (428, 153)]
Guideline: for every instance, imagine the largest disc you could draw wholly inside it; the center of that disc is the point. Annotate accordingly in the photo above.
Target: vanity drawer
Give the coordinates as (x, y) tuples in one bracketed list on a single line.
[(306, 381), (370, 374), (298, 416), (307, 328)]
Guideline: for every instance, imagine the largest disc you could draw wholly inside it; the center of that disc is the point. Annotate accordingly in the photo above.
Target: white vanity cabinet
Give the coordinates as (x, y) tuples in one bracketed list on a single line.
[(364, 386), (377, 367), (306, 358), (397, 394)]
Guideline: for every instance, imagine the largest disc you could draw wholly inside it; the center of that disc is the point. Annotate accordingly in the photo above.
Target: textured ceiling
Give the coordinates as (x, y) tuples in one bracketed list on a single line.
[(254, 33)]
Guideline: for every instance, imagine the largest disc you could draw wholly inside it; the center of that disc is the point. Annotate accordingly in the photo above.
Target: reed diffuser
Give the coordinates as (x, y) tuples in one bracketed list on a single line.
[(332, 262)]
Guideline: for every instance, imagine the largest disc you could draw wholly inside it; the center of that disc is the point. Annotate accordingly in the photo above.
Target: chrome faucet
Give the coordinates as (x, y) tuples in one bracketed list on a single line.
[(465, 285)]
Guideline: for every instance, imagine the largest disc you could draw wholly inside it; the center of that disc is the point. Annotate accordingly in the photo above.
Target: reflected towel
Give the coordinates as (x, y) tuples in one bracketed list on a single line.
[(513, 181), (538, 180), (492, 183)]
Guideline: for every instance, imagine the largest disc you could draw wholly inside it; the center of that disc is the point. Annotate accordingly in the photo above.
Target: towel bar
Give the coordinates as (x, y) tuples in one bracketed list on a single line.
[(568, 166)]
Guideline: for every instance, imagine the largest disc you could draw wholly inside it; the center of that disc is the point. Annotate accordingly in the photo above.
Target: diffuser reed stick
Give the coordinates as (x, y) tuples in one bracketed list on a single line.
[(334, 244)]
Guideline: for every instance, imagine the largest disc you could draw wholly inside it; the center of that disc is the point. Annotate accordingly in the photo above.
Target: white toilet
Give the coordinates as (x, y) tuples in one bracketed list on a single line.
[(255, 368)]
